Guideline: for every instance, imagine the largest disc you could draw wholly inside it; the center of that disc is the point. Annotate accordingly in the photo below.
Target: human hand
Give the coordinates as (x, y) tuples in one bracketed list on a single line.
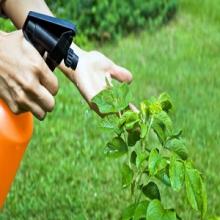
[(26, 82), (91, 73)]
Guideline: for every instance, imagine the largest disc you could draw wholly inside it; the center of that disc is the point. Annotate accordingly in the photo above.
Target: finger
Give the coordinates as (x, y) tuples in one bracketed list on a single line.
[(108, 80), (35, 94), (11, 104), (46, 76), (133, 108), (39, 113), (34, 108), (120, 73), (28, 106), (48, 79), (22, 102), (44, 99)]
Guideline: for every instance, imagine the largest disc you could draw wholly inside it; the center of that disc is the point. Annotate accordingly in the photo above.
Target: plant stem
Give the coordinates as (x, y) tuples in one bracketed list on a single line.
[(149, 127), (138, 182), (142, 144)]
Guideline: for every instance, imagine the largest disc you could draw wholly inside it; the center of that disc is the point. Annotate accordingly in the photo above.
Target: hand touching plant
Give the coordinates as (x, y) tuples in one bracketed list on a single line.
[(91, 72), (92, 69), (153, 154)]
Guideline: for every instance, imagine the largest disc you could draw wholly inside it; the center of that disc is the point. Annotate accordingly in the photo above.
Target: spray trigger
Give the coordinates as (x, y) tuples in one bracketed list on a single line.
[(52, 37)]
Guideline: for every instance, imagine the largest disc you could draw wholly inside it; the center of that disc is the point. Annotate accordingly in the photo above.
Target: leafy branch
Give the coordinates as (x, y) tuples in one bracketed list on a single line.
[(153, 154)]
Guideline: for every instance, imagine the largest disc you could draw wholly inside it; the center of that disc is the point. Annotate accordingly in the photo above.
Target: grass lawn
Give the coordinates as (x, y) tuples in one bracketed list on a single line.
[(65, 175)]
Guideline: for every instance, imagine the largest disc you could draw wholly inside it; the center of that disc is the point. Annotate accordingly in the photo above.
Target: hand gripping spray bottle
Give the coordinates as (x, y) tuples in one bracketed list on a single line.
[(52, 38)]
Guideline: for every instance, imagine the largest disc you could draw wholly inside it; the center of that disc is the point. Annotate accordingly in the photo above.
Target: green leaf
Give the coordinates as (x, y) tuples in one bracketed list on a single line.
[(141, 158), (128, 213), (155, 211), (159, 129), (165, 102), (116, 147), (178, 217), (133, 157), (129, 119), (156, 162), (176, 173), (178, 146), (162, 126), (133, 137), (165, 121), (164, 177), (151, 191), (155, 108), (195, 189), (133, 184), (127, 175), (144, 129), (141, 210), (110, 123), (121, 96), (112, 99), (135, 211), (105, 101), (144, 107), (175, 135)]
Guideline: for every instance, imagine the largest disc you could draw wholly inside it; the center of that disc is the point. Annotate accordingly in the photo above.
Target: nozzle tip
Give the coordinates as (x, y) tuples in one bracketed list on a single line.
[(71, 59)]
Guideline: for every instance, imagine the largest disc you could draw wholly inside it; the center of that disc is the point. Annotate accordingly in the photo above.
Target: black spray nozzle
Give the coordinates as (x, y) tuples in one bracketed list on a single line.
[(52, 38)]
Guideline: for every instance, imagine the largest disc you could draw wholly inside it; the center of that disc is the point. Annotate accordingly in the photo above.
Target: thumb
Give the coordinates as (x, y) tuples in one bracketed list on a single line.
[(120, 73)]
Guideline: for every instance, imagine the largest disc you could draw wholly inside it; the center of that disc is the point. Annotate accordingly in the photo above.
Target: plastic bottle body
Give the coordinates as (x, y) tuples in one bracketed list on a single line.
[(15, 134)]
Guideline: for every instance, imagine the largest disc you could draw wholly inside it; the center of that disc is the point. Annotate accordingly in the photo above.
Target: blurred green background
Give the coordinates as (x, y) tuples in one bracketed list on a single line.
[(64, 174)]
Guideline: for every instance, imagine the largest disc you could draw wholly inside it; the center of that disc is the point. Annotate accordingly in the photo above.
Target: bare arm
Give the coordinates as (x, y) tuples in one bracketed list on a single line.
[(18, 10), (93, 67)]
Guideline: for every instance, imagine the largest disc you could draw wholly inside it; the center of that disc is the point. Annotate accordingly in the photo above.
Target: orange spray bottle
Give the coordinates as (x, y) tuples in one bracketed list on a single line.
[(52, 38), (15, 134)]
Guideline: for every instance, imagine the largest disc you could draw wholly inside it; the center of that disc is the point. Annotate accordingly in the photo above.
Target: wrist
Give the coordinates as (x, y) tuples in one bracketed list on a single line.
[(2, 33), (79, 52)]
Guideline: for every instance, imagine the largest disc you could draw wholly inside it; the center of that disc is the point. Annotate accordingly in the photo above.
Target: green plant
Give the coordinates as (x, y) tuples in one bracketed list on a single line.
[(110, 19), (6, 25), (154, 154)]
